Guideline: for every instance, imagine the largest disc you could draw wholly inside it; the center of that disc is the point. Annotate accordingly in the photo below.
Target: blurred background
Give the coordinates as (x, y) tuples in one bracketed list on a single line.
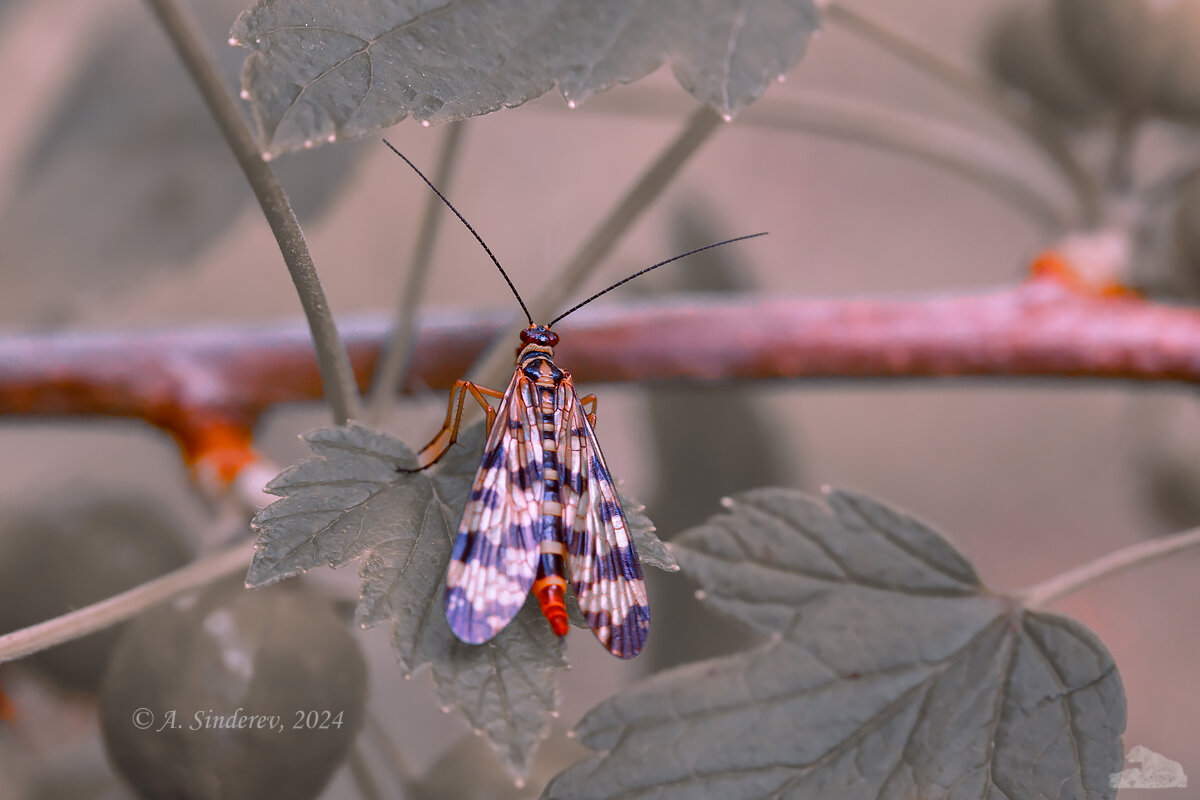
[(121, 208)]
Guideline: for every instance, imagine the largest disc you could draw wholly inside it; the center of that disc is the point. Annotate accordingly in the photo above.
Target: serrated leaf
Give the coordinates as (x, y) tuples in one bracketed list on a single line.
[(506, 688), (651, 550), (339, 505), (798, 549), (890, 672), (319, 71), (350, 502)]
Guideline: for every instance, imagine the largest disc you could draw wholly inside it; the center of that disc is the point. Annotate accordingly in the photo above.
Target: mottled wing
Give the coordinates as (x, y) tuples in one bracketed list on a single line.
[(605, 573), (495, 555)]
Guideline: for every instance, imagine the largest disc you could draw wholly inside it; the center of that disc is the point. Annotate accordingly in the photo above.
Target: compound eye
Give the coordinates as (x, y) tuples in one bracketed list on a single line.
[(551, 338), (526, 335)]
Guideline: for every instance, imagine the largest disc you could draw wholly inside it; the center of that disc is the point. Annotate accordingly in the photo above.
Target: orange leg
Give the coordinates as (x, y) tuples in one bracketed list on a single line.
[(448, 435), (591, 398)]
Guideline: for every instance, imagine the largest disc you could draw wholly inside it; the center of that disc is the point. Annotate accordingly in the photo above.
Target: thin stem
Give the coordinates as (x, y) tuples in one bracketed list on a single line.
[(1038, 130), (121, 607), (389, 750), (496, 363), (1163, 188), (1119, 179), (396, 359), (1167, 185), (340, 389), (368, 789), (977, 159), (1073, 580)]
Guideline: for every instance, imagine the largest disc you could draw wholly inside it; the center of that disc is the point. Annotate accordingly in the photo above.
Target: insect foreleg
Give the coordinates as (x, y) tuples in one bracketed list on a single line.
[(431, 453)]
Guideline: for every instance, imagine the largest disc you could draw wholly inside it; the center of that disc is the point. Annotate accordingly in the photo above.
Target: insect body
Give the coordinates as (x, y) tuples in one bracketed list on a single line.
[(543, 509)]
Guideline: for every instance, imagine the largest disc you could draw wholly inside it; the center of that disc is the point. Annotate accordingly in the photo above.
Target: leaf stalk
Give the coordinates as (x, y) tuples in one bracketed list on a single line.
[(337, 378), (1039, 131), (1045, 593), (1014, 180), (396, 359), (118, 608), (494, 366)]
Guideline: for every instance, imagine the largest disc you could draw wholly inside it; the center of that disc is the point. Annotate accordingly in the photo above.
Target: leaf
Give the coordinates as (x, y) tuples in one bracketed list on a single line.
[(652, 551), (350, 502), (340, 505), (319, 71), (484, 780), (130, 160), (506, 688), (889, 671)]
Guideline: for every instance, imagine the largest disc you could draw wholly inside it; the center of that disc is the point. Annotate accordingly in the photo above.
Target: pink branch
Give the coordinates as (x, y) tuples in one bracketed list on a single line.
[(1037, 328)]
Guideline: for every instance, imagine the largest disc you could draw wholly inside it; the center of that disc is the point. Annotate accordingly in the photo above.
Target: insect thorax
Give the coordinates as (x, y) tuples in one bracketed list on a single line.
[(538, 367)]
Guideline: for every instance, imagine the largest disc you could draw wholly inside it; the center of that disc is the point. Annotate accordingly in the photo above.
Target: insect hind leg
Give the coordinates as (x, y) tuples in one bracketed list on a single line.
[(448, 435)]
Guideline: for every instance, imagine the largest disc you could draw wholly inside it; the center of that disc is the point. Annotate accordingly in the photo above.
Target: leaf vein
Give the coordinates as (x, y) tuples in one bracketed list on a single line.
[(997, 713), (319, 28), (1052, 666), (735, 33), (906, 548)]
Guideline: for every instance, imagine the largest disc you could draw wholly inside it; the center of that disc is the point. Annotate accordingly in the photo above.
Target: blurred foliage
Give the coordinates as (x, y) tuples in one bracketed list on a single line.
[(1143, 54), (75, 545), (710, 443), (1023, 48), (185, 668), (130, 175), (486, 779)]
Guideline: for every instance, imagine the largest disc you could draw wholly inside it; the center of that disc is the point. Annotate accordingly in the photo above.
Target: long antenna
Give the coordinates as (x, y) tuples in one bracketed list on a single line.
[(463, 220), (647, 269)]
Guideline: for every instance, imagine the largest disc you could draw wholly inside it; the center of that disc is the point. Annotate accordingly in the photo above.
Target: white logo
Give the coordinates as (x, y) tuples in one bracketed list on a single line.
[(1155, 772)]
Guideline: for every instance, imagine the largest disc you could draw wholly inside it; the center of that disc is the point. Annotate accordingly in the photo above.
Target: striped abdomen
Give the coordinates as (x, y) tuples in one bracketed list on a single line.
[(550, 585)]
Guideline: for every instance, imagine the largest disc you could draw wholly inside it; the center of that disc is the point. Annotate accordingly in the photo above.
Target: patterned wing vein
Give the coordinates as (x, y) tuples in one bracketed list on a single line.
[(605, 573), (495, 554)]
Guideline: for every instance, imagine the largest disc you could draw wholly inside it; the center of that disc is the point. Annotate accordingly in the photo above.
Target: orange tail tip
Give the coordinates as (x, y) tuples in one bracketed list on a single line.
[(549, 594)]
